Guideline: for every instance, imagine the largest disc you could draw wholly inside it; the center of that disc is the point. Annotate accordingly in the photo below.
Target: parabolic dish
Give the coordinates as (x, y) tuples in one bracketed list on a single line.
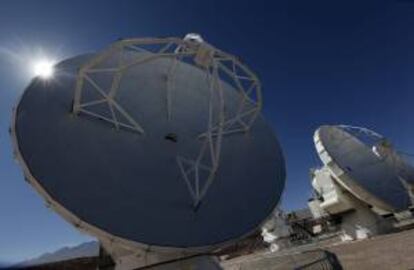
[(150, 165), (360, 170)]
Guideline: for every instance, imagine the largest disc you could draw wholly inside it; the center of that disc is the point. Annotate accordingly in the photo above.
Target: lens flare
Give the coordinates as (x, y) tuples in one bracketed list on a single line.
[(43, 68), (31, 61)]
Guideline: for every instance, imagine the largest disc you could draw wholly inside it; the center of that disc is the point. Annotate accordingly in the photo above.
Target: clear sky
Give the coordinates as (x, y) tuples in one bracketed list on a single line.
[(320, 63)]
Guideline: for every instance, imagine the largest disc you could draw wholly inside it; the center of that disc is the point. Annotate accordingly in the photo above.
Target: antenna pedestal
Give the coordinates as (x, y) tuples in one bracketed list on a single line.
[(113, 257)]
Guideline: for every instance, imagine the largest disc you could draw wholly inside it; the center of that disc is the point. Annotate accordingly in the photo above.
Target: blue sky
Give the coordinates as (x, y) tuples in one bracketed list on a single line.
[(320, 62)]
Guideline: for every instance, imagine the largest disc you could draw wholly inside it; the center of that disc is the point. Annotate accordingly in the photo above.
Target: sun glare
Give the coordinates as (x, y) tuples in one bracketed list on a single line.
[(43, 68)]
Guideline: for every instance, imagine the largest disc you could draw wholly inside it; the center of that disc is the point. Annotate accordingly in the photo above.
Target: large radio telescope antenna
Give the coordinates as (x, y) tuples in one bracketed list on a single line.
[(156, 145), (366, 164)]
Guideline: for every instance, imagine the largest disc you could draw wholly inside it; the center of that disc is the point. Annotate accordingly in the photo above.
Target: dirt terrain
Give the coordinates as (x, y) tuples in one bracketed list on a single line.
[(392, 251)]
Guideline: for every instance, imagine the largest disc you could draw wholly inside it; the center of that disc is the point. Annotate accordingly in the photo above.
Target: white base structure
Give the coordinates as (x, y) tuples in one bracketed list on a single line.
[(276, 231), (126, 259), (358, 220)]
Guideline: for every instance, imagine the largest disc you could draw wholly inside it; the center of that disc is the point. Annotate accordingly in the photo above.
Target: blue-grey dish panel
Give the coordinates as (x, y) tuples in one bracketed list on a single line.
[(364, 167), (130, 185)]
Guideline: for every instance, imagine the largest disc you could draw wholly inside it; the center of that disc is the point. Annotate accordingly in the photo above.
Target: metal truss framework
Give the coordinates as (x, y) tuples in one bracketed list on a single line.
[(219, 67), (363, 131)]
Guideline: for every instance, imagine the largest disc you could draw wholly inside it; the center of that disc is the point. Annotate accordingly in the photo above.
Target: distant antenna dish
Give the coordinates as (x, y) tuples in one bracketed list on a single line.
[(365, 164), (152, 143)]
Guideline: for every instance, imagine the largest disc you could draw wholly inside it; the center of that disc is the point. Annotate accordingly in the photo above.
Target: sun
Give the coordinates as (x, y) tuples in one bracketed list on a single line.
[(43, 68)]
